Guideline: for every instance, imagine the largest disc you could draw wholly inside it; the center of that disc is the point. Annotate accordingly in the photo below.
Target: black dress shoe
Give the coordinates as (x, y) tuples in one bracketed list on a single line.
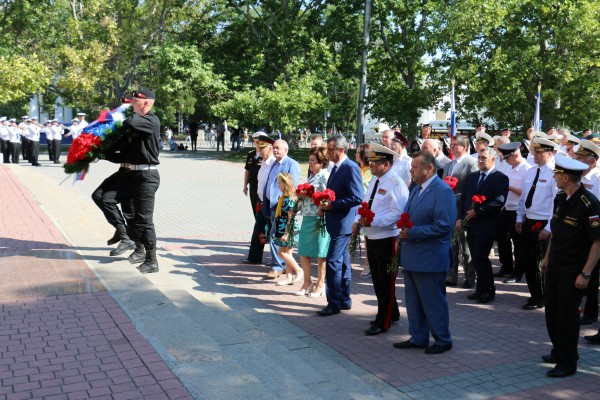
[(327, 311), (246, 261), (485, 297), (594, 339), (407, 345), (346, 308), (394, 321), (585, 320), (549, 358), (533, 306), (449, 283), (374, 330), (468, 284), (557, 372), (473, 296), (438, 348)]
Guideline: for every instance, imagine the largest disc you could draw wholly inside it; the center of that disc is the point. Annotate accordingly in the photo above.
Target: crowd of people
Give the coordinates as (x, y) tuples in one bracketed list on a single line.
[(434, 214)]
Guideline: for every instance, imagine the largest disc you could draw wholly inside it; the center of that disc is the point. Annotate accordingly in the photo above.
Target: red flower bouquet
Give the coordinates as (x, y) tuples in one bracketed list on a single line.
[(476, 200), (82, 152), (403, 223), (451, 181), (305, 189), (318, 199), (368, 215)]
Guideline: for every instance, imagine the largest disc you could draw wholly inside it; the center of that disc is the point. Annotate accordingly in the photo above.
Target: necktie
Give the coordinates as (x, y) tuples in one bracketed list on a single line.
[(480, 182), (529, 198), (373, 193), (451, 167), (330, 175)]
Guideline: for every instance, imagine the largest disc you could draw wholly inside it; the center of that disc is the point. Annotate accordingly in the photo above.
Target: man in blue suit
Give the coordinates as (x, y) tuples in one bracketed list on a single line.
[(271, 195), (484, 220), (426, 256), (346, 181)]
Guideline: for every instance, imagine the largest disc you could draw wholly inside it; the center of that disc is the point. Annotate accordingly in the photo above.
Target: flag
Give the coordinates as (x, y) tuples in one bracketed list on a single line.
[(79, 176), (452, 113), (536, 116)]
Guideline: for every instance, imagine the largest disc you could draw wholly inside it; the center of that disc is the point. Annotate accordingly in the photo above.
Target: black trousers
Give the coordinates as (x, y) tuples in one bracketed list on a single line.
[(261, 225), (235, 143), (4, 147), (591, 293), (221, 140), (35, 151), (56, 149), (562, 314), (113, 191), (50, 149), (143, 185), (15, 151), (509, 243), (480, 246), (194, 141), (379, 254), (532, 254), (25, 148)]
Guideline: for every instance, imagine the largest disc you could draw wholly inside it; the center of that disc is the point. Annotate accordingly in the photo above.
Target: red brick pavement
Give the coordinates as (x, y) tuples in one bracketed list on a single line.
[(62, 336)]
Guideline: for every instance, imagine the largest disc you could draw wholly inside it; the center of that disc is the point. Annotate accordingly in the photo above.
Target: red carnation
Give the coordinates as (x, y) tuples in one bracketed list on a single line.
[(404, 221), (451, 181), (537, 227)]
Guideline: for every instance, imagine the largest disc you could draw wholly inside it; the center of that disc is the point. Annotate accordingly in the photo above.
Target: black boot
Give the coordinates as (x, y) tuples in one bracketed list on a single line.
[(125, 243), (114, 239), (139, 255), (150, 265)]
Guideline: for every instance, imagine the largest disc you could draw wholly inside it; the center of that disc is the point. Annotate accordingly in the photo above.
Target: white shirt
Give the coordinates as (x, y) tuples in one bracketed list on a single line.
[(516, 178), (542, 203), (426, 183), (591, 181), (388, 203), (401, 167), (81, 125), (263, 175), (4, 132), (57, 132), (14, 134), (34, 132)]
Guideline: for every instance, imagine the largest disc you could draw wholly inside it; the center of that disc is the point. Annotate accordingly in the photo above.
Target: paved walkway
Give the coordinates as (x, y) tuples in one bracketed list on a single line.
[(227, 333)]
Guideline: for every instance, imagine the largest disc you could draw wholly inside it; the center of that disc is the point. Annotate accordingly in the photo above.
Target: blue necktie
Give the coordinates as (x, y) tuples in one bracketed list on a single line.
[(480, 182), (330, 175)]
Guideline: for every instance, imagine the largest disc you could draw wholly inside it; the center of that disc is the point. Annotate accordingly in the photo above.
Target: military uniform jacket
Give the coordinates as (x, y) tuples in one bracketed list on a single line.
[(575, 225), (143, 133)]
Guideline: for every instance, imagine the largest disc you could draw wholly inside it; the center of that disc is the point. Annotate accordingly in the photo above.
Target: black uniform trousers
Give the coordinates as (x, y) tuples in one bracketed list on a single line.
[(533, 252), (194, 141), (480, 245), (221, 140), (25, 148), (56, 149), (112, 191), (15, 151), (50, 143), (4, 147), (35, 151), (379, 254), (562, 314), (143, 185), (509, 243), (261, 225), (591, 293)]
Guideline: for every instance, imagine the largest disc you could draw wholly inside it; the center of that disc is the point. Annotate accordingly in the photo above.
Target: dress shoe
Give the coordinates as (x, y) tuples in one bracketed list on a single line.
[(407, 345), (247, 261), (272, 274), (374, 330), (394, 321), (473, 296), (438, 348), (450, 283), (468, 284), (585, 320), (327, 311), (557, 372), (594, 339), (346, 308), (317, 293), (485, 297), (533, 305), (549, 358)]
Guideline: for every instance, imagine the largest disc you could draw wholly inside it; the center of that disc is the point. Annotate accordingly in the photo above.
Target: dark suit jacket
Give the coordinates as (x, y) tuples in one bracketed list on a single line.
[(495, 189), (348, 188), (464, 168)]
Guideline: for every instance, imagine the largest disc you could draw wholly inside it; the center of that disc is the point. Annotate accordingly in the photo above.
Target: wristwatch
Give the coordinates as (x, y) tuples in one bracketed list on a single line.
[(585, 276)]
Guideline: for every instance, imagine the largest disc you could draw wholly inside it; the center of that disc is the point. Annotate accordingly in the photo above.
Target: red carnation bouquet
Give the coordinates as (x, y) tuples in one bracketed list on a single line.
[(368, 215), (451, 181), (403, 223), (318, 199), (305, 189), (83, 151), (476, 200)]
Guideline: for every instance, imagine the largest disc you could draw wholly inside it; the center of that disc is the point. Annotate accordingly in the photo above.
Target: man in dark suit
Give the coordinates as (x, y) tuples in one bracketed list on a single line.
[(460, 167), (346, 181), (484, 219), (425, 256)]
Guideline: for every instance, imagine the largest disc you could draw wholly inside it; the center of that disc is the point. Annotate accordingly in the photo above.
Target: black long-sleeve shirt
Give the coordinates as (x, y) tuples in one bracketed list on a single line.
[(143, 133)]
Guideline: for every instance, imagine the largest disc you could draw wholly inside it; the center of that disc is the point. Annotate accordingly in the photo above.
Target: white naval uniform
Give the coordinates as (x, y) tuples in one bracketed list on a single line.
[(402, 168), (591, 181), (516, 178), (542, 204)]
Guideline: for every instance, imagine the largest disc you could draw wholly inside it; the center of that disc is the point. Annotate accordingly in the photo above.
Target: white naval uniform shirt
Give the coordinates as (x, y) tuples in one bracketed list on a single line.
[(4, 132), (34, 133), (263, 175), (542, 204), (14, 134), (591, 181), (401, 167), (388, 203), (57, 132), (516, 178)]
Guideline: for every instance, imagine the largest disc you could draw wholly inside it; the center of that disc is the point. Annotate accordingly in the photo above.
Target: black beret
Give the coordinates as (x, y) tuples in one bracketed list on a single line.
[(143, 94)]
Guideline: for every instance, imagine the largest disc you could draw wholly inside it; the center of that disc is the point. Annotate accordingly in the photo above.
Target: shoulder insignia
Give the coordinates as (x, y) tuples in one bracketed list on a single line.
[(594, 221), (395, 180), (585, 201)]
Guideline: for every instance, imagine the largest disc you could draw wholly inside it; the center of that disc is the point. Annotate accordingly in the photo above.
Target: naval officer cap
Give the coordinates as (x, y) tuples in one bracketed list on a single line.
[(81, 114), (588, 148), (263, 139), (484, 137), (12, 120), (74, 120), (25, 117), (569, 166), (538, 134), (573, 139), (2, 119), (542, 144), (257, 134), (379, 153), (143, 94), (400, 138), (509, 148)]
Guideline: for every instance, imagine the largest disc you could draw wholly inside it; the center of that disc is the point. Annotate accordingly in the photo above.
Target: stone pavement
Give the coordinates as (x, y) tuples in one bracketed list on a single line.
[(227, 333)]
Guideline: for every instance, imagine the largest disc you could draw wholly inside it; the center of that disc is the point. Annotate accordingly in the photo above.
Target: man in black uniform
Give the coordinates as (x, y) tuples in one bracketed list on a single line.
[(193, 127), (143, 135), (572, 254)]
